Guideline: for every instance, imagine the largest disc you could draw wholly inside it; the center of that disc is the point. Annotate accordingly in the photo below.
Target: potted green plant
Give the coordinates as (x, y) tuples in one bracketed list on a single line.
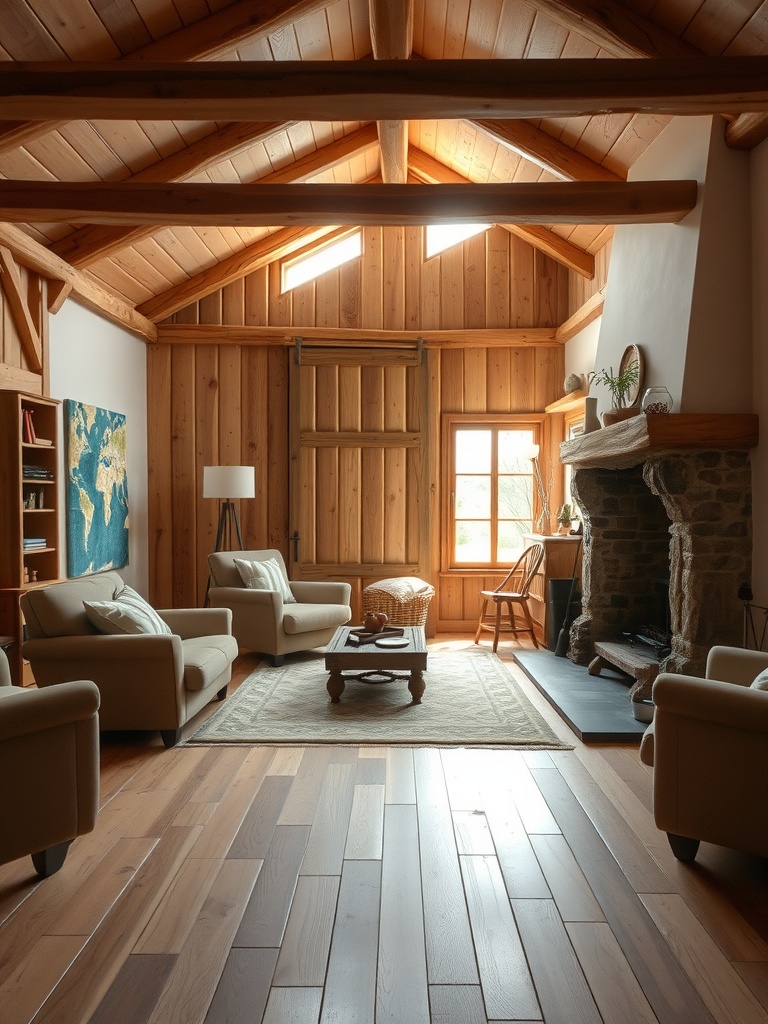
[(564, 518), (623, 388)]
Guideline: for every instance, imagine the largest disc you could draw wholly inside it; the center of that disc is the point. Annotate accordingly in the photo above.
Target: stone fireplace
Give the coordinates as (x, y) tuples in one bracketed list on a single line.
[(666, 503)]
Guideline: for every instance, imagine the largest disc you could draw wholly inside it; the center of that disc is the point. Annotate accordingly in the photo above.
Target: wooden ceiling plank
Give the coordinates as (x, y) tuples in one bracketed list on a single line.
[(84, 288), (202, 334), (265, 251), (747, 131), (28, 334), (560, 202), (204, 39), (96, 241), (361, 91), (545, 151), (426, 168)]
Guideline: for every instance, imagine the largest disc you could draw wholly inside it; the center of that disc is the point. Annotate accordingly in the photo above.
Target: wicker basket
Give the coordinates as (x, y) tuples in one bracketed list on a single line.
[(405, 599)]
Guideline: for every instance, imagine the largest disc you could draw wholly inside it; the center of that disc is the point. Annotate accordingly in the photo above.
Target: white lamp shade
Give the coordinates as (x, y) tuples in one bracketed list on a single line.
[(530, 451), (229, 482)]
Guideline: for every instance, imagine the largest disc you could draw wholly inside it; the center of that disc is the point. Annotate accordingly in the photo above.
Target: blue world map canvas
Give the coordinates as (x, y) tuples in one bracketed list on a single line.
[(97, 489)]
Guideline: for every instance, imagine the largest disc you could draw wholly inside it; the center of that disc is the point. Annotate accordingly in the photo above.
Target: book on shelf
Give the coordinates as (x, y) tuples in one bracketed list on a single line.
[(30, 543), (28, 429)]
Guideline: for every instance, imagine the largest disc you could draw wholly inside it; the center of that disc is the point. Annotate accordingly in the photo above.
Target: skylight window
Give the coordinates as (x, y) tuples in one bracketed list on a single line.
[(442, 236), (319, 261)]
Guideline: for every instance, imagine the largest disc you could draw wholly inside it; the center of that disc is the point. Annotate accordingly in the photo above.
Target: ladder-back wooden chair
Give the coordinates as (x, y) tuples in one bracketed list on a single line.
[(511, 593)]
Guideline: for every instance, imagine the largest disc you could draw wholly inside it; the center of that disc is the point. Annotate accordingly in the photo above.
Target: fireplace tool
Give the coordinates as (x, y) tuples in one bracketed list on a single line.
[(561, 648)]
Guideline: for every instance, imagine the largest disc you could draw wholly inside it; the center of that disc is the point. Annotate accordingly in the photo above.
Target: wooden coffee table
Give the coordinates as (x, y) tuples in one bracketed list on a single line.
[(368, 663)]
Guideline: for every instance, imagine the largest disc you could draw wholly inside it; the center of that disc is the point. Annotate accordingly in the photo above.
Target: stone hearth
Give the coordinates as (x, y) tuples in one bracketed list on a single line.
[(664, 499)]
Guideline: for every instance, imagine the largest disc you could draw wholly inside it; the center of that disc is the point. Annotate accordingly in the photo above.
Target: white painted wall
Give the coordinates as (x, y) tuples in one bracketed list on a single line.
[(759, 196), (97, 362), (581, 350)]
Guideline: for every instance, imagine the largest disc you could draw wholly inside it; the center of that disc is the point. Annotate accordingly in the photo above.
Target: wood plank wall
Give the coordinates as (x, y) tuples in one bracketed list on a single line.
[(229, 403), (15, 372)]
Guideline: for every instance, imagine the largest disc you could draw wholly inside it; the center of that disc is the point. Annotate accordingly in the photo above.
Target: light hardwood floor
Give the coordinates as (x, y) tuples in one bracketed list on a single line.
[(346, 885)]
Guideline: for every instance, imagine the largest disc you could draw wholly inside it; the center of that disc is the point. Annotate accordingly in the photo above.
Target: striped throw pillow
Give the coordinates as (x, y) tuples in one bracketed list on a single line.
[(128, 613), (266, 575)]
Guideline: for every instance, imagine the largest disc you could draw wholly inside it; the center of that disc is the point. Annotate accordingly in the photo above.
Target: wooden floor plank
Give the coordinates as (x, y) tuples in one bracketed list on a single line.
[(561, 987), (617, 992), (256, 830), (350, 988), (473, 836), (570, 889), (299, 807), (400, 783), (519, 865), (666, 986), (286, 761), (267, 912), (507, 987), (457, 1004), (177, 911), (401, 992), (135, 990), (328, 835), (243, 990), (719, 984), (24, 989), (293, 1006), (92, 973), (192, 982), (366, 823), (304, 952), (450, 950)]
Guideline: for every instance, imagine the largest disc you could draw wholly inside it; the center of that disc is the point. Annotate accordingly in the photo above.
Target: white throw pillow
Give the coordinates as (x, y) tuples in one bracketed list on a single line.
[(760, 682), (266, 575), (128, 613)]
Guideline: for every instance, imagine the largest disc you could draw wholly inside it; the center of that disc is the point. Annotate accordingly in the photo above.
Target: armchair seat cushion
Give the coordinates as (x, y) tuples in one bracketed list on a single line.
[(206, 658), (303, 618)]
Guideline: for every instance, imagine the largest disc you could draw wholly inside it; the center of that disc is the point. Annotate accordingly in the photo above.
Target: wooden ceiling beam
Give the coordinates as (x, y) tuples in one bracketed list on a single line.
[(391, 25), (266, 250), (429, 170), (382, 90), (85, 289), (204, 39), (194, 205), (10, 279), (94, 242), (624, 33), (544, 150)]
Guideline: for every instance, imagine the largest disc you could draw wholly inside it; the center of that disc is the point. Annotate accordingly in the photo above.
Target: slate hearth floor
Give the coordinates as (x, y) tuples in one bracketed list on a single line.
[(596, 708)]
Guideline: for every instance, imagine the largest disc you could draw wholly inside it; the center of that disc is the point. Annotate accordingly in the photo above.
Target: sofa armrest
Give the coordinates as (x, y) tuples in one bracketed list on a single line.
[(27, 711), (735, 665), (105, 659), (710, 700), (242, 597), (189, 622), (321, 591)]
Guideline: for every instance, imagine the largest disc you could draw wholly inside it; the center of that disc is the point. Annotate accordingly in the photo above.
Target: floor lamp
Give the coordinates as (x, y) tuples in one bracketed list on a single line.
[(227, 483)]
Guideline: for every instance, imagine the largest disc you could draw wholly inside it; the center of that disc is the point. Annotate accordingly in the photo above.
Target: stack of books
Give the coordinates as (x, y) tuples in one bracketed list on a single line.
[(36, 473), (34, 543), (29, 435)]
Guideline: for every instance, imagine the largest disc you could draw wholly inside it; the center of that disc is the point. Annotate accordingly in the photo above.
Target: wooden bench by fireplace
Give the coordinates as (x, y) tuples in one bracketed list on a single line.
[(636, 660)]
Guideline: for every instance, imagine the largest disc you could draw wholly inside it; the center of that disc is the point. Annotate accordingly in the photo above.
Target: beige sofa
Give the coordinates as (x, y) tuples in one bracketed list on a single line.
[(262, 622), (145, 681), (49, 764), (708, 745)]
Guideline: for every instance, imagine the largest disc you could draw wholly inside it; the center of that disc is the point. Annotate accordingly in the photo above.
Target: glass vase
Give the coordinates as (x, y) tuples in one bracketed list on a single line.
[(657, 400)]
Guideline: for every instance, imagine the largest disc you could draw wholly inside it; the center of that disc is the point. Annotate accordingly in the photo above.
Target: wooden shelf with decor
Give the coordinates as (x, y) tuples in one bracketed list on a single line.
[(29, 507)]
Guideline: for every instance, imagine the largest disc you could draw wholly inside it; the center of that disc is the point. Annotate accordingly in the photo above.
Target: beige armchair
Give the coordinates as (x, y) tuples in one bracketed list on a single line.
[(146, 681), (49, 763), (708, 745), (262, 621)]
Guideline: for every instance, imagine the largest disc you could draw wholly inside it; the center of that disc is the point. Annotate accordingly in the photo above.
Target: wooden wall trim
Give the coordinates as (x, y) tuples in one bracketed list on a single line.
[(210, 334)]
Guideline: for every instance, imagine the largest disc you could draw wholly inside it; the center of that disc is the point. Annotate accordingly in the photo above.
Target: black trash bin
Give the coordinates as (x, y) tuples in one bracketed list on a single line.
[(557, 606)]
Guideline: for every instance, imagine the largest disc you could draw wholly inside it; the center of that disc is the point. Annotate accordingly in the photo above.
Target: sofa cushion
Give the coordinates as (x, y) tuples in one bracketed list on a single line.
[(57, 610), (205, 658), (265, 575), (127, 613), (760, 682), (303, 618)]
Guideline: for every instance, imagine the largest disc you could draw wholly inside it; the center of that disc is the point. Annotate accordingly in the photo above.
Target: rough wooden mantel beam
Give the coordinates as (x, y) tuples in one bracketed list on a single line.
[(381, 90), (198, 205)]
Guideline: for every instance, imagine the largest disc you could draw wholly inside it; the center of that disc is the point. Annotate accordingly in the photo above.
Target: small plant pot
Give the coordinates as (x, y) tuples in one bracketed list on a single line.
[(617, 415)]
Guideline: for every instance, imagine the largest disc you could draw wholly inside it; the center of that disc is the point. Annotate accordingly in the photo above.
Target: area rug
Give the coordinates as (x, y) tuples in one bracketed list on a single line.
[(471, 699)]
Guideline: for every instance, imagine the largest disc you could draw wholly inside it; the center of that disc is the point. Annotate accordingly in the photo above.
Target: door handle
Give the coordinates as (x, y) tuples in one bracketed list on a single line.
[(295, 539)]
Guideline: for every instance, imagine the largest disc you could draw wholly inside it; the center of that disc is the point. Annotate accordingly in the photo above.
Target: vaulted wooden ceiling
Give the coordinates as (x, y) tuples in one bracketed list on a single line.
[(97, 61)]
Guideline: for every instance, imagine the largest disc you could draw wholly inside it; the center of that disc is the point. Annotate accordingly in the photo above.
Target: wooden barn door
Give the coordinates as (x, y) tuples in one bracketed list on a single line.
[(360, 468)]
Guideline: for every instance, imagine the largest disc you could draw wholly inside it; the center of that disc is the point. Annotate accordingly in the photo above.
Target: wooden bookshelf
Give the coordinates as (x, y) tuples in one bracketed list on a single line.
[(29, 506)]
